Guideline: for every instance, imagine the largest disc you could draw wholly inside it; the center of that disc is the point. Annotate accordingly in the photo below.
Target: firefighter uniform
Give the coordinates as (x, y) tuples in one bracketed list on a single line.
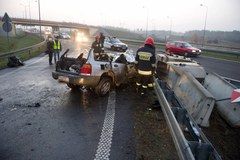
[(145, 61), (98, 49)]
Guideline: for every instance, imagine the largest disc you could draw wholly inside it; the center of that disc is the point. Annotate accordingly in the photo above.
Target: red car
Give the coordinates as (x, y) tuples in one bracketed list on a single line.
[(182, 48)]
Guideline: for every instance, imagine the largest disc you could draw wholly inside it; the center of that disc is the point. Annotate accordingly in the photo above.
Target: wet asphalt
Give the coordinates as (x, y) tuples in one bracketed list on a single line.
[(41, 118)]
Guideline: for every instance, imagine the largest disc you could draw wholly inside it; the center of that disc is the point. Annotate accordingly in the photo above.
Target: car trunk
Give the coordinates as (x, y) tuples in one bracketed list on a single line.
[(69, 64)]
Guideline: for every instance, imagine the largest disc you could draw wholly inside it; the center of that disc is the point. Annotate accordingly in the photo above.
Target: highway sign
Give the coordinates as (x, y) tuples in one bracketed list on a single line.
[(235, 96), (6, 18), (7, 27)]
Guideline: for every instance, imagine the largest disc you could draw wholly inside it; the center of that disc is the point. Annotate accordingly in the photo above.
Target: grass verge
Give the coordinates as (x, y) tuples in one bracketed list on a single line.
[(21, 41)]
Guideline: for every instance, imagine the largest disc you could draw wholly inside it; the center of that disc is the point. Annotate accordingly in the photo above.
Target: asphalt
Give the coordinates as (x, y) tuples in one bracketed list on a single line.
[(41, 118)]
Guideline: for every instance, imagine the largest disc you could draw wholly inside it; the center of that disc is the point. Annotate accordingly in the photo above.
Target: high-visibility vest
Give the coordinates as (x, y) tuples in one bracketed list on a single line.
[(56, 46)]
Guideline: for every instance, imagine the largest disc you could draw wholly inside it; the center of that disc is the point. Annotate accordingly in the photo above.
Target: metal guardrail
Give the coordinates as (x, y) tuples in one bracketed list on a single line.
[(197, 149), (234, 53), (26, 49)]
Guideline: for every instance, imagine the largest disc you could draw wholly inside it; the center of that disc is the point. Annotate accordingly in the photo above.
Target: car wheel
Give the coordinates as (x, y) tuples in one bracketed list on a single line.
[(72, 86), (103, 86), (185, 54)]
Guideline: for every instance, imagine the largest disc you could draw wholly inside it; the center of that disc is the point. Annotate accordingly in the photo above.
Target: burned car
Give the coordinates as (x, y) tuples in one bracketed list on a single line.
[(95, 72)]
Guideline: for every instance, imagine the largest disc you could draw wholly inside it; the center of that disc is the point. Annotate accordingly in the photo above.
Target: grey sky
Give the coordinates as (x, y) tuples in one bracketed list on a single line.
[(184, 15)]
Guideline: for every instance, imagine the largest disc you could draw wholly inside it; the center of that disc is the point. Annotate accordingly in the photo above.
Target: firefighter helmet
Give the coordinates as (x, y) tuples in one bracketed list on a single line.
[(150, 41), (97, 37)]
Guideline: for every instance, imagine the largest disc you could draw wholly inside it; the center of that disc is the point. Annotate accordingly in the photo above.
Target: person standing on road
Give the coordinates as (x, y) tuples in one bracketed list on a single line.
[(97, 49), (50, 50), (57, 47), (102, 38), (145, 62)]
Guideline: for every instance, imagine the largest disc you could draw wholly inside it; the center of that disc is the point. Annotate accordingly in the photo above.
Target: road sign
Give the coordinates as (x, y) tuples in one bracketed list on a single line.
[(235, 96), (6, 18), (7, 27)]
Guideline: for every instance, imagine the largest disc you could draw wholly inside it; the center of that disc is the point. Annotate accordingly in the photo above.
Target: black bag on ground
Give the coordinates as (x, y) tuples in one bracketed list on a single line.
[(13, 61)]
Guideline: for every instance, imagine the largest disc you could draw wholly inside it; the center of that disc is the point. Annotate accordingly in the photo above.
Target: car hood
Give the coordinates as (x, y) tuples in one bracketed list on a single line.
[(121, 44), (193, 48)]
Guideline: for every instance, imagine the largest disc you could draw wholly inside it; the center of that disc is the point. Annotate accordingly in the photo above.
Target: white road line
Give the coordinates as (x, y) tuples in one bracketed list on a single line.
[(104, 145)]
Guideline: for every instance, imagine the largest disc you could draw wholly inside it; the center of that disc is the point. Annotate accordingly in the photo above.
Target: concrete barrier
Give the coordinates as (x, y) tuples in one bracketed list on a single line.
[(197, 100), (222, 90)]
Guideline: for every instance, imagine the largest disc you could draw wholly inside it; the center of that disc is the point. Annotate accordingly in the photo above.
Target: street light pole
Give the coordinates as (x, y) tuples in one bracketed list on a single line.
[(170, 27), (202, 5), (39, 11), (147, 22), (29, 13)]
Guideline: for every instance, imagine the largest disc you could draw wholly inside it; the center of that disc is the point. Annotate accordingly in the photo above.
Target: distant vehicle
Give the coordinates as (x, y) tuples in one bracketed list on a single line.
[(97, 73), (61, 35), (81, 37), (182, 48), (115, 44), (65, 35)]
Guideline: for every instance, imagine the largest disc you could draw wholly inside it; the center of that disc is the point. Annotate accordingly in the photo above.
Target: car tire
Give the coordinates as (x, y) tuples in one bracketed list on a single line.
[(185, 54), (104, 86), (72, 86)]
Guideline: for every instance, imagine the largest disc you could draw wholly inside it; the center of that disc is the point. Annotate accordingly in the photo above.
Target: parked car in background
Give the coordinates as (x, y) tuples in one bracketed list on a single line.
[(182, 48), (115, 44)]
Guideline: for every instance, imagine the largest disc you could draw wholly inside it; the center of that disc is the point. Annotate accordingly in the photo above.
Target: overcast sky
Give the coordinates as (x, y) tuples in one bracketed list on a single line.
[(178, 15)]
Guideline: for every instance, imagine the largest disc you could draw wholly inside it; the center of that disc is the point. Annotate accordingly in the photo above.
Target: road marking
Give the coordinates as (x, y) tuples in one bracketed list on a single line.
[(104, 145)]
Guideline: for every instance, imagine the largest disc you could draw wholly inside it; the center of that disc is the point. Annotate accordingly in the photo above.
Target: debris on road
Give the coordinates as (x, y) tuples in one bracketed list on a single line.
[(1, 99)]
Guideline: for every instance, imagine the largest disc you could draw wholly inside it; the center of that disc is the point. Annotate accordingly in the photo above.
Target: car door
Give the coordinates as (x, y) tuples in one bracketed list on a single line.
[(179, 48), (119, 70)]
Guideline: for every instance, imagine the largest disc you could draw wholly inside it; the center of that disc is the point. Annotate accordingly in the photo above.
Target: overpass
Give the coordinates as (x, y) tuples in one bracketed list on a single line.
[(54, 24)]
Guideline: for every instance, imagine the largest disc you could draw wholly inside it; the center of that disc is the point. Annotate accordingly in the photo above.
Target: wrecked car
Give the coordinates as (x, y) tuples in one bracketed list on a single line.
[(94, 72)]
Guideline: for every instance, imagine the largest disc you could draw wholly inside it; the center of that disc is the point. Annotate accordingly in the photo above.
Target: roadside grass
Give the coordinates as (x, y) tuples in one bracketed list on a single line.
[(221, 56), (19, 42), (204, 53)]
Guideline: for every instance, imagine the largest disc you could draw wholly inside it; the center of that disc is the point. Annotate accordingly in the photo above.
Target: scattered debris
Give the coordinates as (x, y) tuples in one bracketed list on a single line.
[(32, 149), (13, 109), (1, 99), (28, 124), (34, 105), (37, 105)]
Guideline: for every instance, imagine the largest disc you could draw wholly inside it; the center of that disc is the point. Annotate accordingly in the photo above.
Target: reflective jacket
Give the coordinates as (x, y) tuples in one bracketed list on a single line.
[(145, 59), (56, 45)]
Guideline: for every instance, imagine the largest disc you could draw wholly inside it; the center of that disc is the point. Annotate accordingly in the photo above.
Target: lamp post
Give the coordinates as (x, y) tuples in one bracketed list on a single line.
[(170, 34), (147, 22), (39, 15), (202, 5)]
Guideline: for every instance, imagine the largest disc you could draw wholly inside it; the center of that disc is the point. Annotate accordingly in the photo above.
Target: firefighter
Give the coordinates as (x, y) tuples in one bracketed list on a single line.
[(97, 49), (96, 45), (145, 64), (57, 48)]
